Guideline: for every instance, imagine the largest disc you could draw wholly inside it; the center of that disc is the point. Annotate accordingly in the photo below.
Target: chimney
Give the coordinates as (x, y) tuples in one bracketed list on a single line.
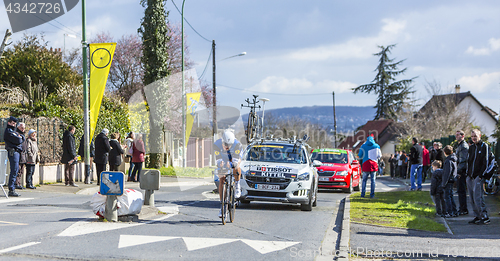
[(457, 88)]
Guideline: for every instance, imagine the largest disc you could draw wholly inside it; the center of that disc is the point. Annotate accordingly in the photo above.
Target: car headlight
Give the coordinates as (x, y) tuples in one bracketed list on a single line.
[(303, 176), (342, 173)]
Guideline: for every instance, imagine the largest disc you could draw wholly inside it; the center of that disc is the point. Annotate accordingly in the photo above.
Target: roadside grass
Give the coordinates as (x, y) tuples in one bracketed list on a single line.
[(402, 209), (186, 172)]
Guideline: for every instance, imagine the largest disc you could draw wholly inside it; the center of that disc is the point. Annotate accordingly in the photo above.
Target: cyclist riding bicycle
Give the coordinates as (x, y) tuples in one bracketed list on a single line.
[(228, 153)]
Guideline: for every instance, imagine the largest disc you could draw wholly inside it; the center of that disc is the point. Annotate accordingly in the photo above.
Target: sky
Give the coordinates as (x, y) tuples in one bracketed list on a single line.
[(299, 52)]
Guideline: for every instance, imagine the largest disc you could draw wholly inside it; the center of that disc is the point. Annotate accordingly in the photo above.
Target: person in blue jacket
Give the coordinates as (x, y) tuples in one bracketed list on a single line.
[(370, 153), (13, 145)]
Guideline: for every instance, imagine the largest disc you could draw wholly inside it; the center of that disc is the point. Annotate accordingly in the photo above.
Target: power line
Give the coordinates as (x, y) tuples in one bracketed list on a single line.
[(47, 21), (274, 93), (189, 23), (206, 65)]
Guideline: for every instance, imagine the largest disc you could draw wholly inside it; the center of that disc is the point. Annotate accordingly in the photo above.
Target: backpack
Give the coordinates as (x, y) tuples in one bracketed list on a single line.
[(492, 166)]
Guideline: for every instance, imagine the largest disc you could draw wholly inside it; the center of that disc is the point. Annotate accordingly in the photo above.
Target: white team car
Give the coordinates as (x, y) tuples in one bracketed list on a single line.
[(279, 171)]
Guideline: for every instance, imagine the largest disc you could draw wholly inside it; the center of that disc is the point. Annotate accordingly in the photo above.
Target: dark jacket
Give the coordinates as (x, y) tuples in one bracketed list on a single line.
[(102, 149), (69, 149), (462, 151), (477, 159), (436, 186), (439, 155), (22, 157), (416, 154), (115, 155), (449, 169), (81, 150), (12, 139)]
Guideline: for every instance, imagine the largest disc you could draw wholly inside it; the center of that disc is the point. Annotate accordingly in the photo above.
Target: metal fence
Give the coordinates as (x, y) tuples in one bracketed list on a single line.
[(49, 136)]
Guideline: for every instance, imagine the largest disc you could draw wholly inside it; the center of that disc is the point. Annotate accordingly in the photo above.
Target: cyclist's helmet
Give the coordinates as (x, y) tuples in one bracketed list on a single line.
[(228, 138)]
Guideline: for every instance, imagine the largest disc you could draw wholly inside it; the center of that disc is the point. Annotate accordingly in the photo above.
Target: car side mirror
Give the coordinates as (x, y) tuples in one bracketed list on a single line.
[(354, 162), (317, 163)]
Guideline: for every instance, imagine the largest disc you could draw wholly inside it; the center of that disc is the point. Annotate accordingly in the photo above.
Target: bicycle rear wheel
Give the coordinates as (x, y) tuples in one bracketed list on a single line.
[(493, 188), (231, 202)]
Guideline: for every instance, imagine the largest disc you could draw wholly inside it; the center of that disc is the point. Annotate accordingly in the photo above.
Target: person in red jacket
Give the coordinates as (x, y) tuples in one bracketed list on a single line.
[(137, 157), (426, 161)]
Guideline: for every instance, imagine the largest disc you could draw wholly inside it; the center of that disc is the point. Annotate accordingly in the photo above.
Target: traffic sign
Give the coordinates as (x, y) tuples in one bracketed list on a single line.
[(112, 183)]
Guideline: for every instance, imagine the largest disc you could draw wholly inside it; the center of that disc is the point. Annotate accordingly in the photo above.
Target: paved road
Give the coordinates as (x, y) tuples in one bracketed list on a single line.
[(50, 225)]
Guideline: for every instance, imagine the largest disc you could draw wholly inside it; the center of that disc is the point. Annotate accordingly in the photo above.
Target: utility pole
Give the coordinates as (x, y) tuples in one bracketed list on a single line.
[(334, 123), (8, 33)]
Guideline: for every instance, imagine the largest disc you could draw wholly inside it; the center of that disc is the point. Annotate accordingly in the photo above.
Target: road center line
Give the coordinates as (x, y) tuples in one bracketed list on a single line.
[(18, 247)]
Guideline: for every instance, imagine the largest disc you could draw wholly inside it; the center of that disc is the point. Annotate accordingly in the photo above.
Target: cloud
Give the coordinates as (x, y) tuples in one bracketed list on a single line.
[(494, 45), (480, 83), (360, 47), (276, 84)]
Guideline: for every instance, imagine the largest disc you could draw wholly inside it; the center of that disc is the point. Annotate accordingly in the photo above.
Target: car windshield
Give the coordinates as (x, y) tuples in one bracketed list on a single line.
[(276, 153), (330, 157)]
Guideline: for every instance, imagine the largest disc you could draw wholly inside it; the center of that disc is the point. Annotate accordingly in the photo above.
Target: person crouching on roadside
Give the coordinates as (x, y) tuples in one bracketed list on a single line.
[(437, 191)]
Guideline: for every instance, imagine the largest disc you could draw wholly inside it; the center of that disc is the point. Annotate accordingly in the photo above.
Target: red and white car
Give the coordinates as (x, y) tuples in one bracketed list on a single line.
[(339, 169)]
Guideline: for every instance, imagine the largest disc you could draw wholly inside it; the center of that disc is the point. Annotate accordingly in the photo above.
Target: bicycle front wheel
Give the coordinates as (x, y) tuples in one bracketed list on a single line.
[(224, 203), (491, 186)]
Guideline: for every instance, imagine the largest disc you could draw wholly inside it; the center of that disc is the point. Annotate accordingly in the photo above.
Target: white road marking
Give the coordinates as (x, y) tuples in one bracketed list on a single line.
[(195, 243), (265, 247), (11, 200), (86, 227), (210, 195), (128, 240), (169, 209), (18, 247)]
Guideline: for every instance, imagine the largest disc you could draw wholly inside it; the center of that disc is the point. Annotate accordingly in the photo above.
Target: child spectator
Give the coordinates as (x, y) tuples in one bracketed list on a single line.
[(437, 191), (449, 174)]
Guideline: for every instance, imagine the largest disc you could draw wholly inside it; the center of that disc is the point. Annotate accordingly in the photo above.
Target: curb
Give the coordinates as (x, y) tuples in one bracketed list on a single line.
[(345, 234)]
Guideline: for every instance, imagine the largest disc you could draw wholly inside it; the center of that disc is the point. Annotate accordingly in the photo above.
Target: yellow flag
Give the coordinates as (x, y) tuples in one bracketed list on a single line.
[(192, 100), (101, 55)]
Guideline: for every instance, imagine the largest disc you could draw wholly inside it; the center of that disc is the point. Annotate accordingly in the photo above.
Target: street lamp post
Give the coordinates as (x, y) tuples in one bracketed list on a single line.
[(183, 99), (263, 111), (334, 123)]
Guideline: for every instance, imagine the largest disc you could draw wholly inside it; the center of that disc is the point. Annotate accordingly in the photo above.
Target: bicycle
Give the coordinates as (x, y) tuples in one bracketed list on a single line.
[(491, 186), (254, 123), (228, 200)]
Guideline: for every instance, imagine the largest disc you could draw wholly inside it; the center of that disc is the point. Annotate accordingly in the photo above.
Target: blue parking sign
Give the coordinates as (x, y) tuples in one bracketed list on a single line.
[(112, 183)]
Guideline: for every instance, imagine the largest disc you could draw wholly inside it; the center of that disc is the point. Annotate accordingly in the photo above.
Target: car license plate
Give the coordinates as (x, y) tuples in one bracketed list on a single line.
[(324, 178), (267, 187)]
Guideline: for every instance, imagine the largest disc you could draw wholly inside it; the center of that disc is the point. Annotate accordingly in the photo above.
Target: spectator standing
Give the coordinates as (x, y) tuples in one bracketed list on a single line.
[(462, 151), (102, 149), (370, 153), (81, 152), (404, 165), (416, 156), (439, 154), (392, 164), (476, 166), (32, 158), (21, 128), (449, 174), (400, 164), (381, 166), (69, 156), (437, 191), (115, 155), (129, 152), (137, 157), (426, 161), (13, 145)]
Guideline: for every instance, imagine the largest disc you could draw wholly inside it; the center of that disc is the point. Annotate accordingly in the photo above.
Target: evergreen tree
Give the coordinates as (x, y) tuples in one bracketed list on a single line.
[(155, 39), (392, 94)]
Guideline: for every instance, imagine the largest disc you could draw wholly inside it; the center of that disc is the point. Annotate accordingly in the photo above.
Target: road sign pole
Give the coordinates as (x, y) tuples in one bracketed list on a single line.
[(111, 211)]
